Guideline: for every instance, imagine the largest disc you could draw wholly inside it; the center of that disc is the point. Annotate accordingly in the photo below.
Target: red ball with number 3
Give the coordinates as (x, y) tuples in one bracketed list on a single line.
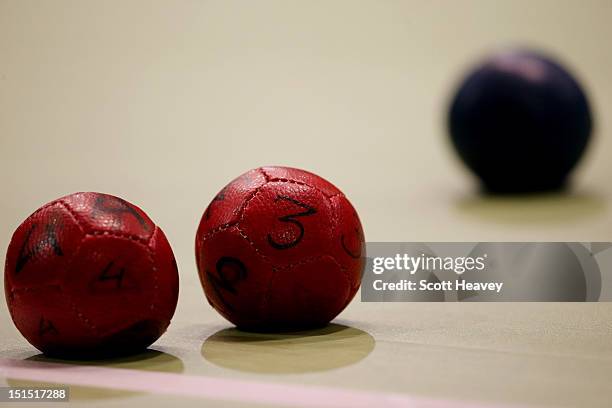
[(280, 248)]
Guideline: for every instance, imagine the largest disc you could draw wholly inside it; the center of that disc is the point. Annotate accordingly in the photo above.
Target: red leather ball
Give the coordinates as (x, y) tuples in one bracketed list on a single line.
[(90, 274), (280, 248)]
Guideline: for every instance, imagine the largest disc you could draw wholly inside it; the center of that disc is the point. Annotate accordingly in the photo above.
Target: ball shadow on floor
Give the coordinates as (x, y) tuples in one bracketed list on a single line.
[(148, 360), (327, 348), (543, 208)]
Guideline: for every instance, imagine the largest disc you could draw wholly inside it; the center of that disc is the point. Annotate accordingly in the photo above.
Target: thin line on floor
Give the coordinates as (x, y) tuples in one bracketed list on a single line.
[(225, 389)]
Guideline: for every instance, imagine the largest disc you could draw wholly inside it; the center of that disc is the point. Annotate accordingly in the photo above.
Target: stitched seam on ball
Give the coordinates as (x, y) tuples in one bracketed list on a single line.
[(264, 174), (155, 277), (336, 195), (59, 201), (349, 284), (139, 241), (271, 179), (247, 201), (290, 181), (345, 272), (84, 319), (47, 286), (266, 298), (80, 316), (335, 211), (134, 238), (89, 230), (73, 215), (242, 212), (311, 259), (335, 218), (308, 260), (334, 226), (253, 245), (70, 259), (342, 268), (44, 207), (218, 229), (302, 261), (11, 307), (301, 183)]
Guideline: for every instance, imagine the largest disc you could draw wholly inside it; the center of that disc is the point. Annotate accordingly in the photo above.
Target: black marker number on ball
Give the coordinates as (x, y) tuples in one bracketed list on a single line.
[(230, 271), (109, 274), (291, 218), (348, 251), (48, 239), (24, 254), (117, 206), (46, 327), (218, 197)]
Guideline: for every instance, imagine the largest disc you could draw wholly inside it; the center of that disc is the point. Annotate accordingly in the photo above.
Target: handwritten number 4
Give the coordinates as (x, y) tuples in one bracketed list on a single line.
[(118, 276)]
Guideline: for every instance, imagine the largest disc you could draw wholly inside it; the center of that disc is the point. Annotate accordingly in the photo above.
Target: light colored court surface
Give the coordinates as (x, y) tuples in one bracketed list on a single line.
[(163, 103)]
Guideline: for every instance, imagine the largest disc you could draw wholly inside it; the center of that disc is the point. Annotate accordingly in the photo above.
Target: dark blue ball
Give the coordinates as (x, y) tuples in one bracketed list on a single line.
[(521, 122)]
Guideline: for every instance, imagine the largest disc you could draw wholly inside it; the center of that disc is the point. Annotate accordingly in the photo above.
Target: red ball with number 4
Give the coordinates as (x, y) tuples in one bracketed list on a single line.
[(90, 275), (280, 248)]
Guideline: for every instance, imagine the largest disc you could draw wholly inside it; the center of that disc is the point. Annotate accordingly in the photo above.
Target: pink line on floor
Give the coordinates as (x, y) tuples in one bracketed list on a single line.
[(225, 389)]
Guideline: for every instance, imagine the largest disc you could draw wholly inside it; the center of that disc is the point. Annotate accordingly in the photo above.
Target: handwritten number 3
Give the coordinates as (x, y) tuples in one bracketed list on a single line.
[(291, 218)]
